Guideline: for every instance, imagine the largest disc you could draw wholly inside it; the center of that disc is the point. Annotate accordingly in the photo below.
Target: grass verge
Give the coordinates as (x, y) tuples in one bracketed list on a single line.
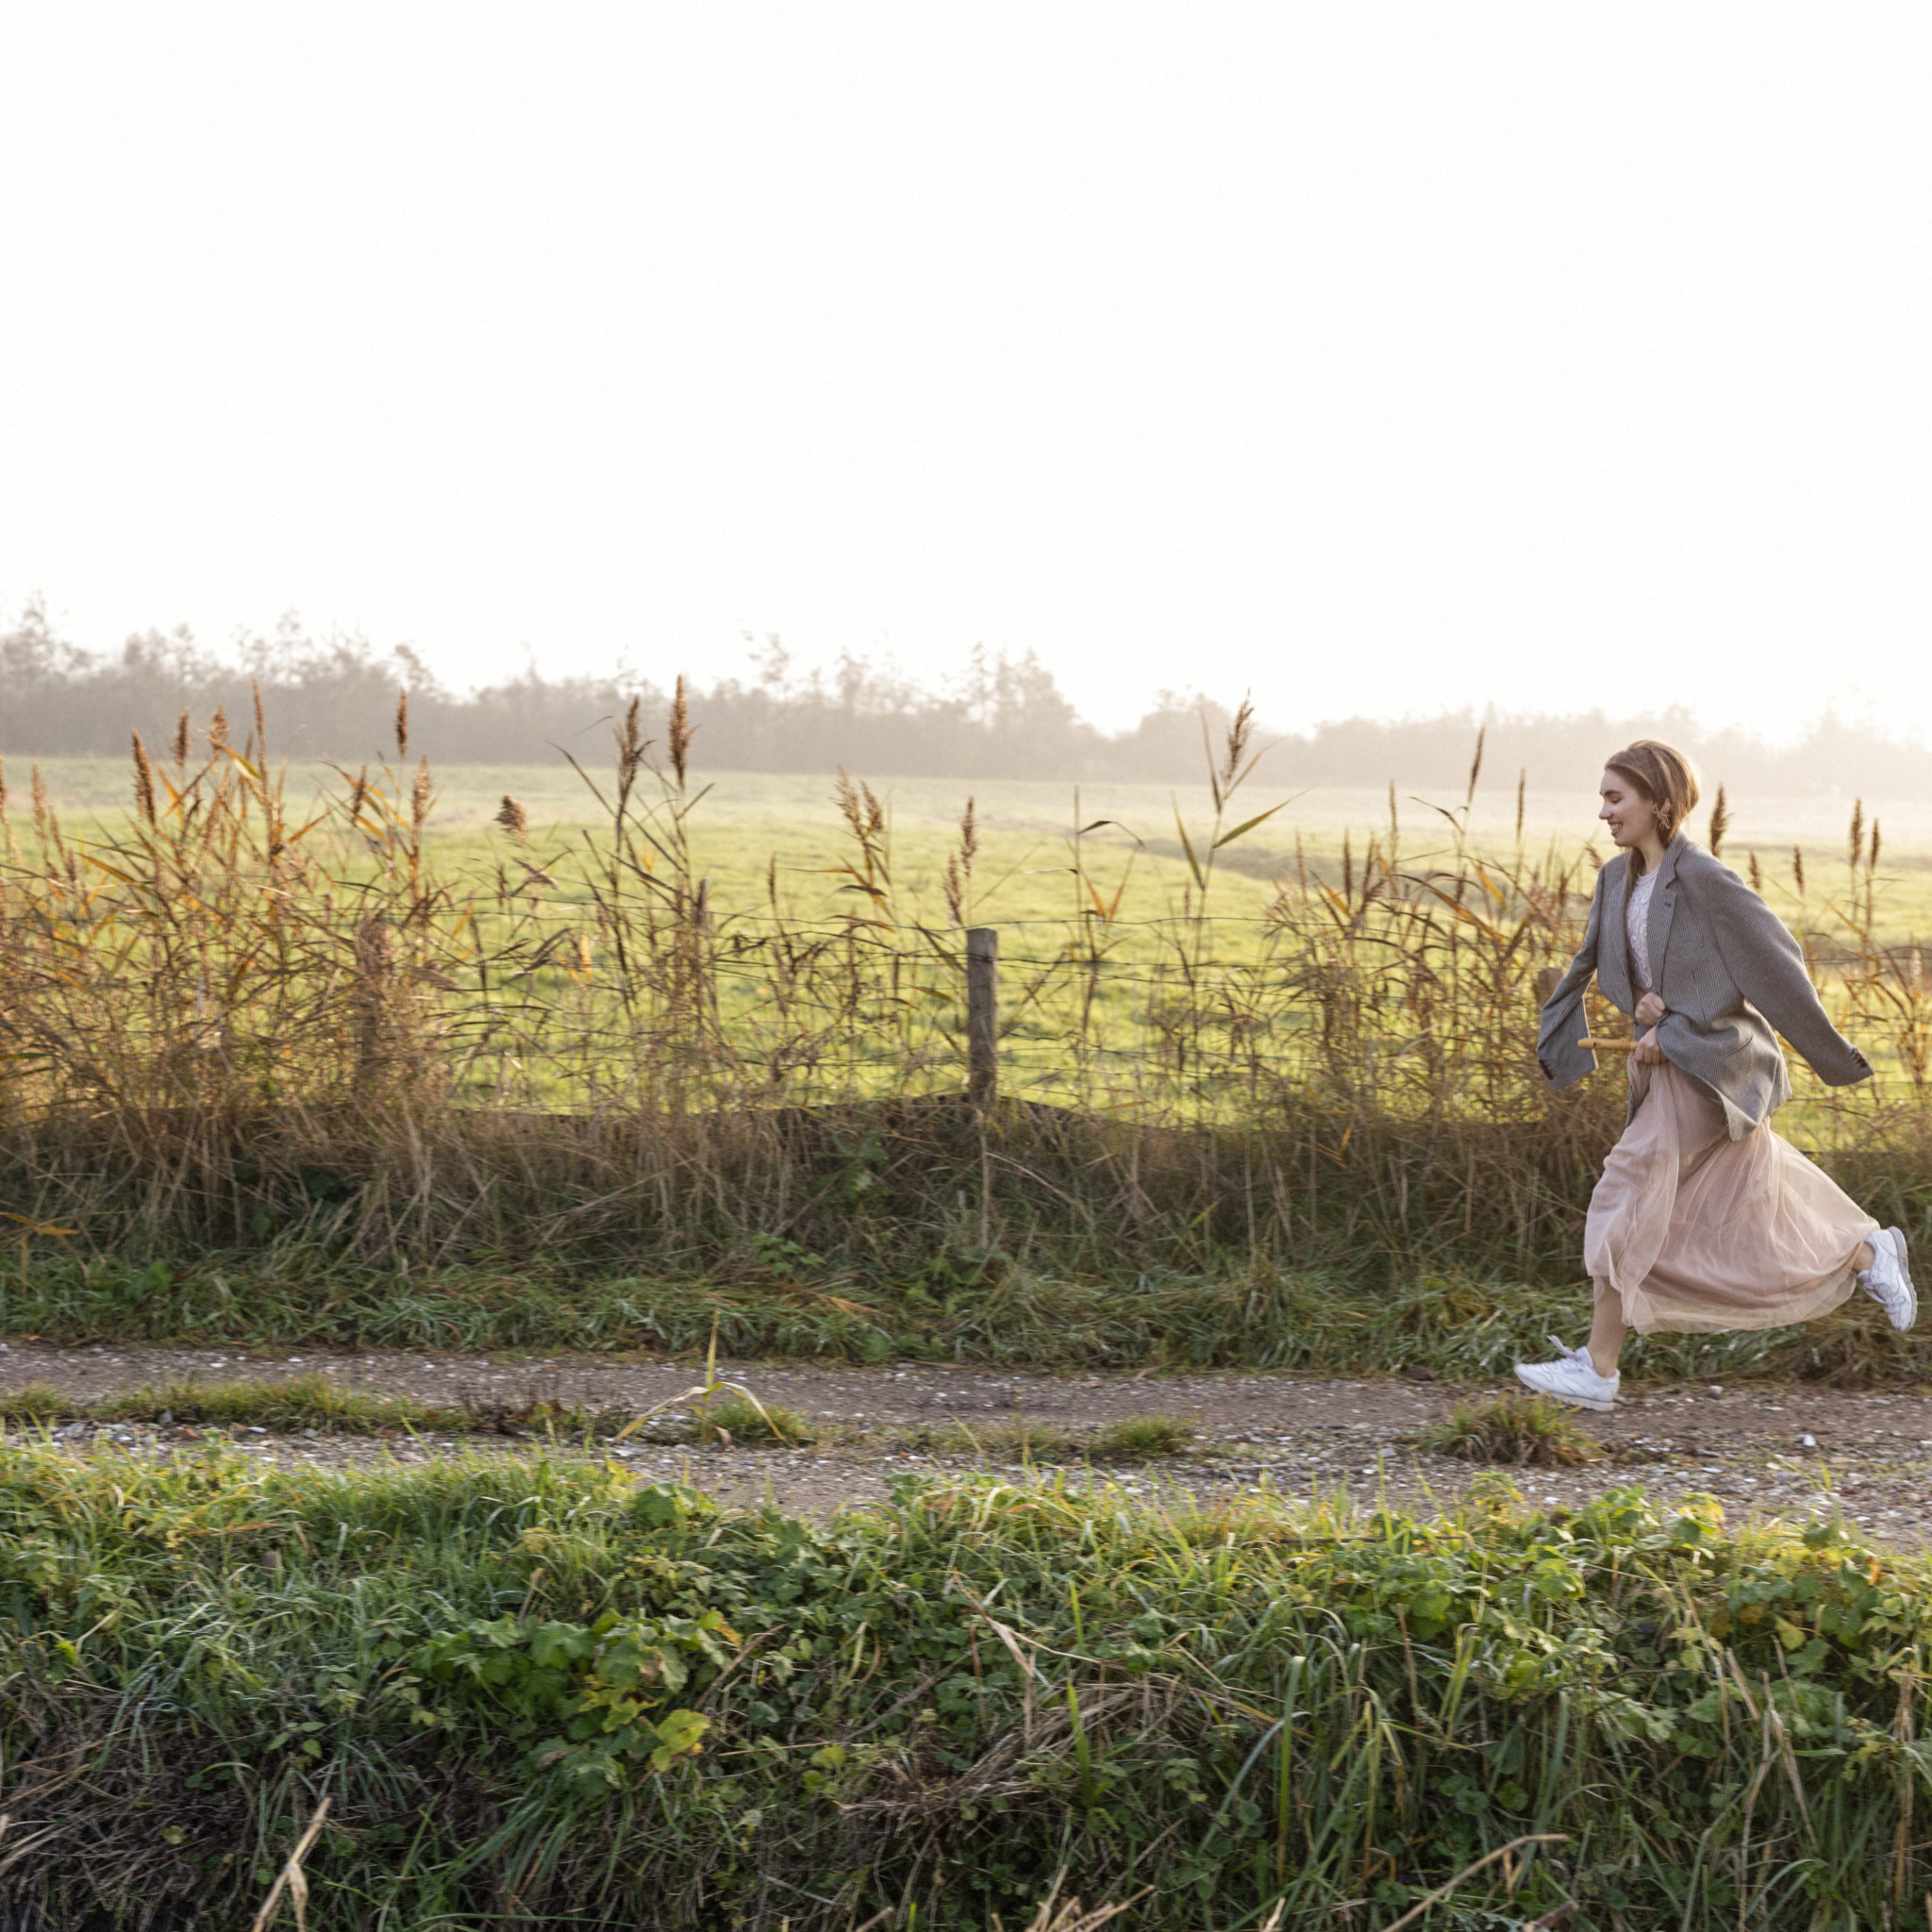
[(316, 1403), (301, 1402), (1459, 1328), (540, 1693)]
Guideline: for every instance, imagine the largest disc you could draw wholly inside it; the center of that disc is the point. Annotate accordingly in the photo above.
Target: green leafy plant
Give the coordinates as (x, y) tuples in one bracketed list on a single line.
[(584, 1699)]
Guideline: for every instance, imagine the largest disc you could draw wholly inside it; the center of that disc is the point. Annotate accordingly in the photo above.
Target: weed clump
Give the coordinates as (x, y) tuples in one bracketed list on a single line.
[(1521, 1431)]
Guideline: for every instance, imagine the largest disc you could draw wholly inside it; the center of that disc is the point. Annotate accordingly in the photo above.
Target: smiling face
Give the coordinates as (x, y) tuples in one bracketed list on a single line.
[(1631, 817)]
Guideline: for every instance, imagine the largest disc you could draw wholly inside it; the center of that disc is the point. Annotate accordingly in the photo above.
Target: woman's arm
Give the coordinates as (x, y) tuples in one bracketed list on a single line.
[(1767, 965), (1562, 1060)]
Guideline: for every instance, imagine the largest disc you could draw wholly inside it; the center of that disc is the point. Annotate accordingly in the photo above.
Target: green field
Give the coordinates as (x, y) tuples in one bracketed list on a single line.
[(747, 818)]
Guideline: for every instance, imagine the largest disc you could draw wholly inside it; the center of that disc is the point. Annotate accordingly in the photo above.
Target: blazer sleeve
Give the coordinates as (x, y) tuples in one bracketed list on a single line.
[(1562, 1060), (1767, 965)]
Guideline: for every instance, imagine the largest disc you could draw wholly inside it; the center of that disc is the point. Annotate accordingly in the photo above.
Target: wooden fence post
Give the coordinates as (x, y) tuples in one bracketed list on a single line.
[(982, 1015)]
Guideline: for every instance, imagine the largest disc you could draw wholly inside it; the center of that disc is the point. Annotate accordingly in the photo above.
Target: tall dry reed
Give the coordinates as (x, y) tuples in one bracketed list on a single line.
[(225, 1020)]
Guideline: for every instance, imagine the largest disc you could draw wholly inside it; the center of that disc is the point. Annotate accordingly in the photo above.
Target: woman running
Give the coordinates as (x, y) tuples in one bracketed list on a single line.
[(1705, 1219)]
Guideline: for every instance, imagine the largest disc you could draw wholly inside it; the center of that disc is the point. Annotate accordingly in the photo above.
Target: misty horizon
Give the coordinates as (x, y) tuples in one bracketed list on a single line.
[(997, 716)]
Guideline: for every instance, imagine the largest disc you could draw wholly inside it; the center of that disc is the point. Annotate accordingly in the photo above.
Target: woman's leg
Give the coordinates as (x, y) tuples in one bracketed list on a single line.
[(1607, 1332)]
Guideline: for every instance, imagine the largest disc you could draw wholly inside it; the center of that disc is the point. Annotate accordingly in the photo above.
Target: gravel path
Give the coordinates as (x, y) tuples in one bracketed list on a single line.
[(1760, 1448)]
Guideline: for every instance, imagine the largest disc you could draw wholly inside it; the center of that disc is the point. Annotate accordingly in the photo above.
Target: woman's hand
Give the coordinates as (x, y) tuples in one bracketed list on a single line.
[(1647, 1053), (1650, 1009)]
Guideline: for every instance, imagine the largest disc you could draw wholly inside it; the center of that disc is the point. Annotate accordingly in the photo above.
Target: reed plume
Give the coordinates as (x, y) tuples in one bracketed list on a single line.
[(144, 781), (1719, 822), (1476, 766), (679, 734), (513, 818), (631, 749)]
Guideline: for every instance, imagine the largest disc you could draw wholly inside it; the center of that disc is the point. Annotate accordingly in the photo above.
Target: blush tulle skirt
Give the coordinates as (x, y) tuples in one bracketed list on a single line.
[(1695, 1232)]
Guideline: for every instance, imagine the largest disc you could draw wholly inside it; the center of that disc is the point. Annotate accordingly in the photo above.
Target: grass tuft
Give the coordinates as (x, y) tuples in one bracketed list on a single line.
[(1142, 1438), (737, 1420), (1514, 1430)]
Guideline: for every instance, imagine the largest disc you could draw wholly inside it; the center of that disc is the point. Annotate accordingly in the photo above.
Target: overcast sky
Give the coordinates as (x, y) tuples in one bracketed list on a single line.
[(1381, 358)]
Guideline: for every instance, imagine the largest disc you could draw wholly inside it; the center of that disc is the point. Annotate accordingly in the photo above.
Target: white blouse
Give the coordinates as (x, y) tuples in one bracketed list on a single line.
[(1637, 930)]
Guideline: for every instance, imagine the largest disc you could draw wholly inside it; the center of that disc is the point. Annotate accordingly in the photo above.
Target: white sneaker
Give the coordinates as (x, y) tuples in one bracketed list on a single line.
[(1888, 1281), (1574, 1379)]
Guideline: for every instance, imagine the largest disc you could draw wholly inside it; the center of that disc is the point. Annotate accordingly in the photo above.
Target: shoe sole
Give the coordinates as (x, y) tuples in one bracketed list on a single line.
[(1573, 1401)]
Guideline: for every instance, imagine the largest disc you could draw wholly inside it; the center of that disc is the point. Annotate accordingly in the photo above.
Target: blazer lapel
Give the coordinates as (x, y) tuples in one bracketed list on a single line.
[(1614, 945), (1663, 906)]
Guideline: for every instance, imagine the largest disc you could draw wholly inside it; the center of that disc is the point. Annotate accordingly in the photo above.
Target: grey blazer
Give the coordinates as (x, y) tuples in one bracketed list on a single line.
[(1729, 970)]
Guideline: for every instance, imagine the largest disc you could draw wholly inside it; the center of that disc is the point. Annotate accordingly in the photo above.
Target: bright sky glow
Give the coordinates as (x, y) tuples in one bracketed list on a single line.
[(1378, 357)]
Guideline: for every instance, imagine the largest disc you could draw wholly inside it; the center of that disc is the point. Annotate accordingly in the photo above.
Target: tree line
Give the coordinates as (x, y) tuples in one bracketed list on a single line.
[(1004, 716)]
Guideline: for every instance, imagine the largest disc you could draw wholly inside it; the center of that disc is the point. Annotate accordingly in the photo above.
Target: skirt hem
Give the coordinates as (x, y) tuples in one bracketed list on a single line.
[(1690, 1322)]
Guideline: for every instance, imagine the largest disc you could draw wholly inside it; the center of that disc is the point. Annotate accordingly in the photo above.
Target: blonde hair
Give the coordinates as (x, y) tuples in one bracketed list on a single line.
[(1665, 776)]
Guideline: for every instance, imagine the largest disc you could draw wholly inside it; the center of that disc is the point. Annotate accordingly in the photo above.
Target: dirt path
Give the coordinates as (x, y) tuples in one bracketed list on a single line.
[(1758, 1447)]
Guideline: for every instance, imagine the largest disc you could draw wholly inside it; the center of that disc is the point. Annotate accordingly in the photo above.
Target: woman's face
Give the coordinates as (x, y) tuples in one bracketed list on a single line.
[(1631, 817)]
